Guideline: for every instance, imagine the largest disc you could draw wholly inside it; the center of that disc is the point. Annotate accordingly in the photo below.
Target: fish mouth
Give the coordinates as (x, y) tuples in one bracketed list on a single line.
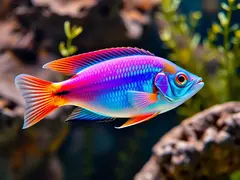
[(198, 85), (200, 81)]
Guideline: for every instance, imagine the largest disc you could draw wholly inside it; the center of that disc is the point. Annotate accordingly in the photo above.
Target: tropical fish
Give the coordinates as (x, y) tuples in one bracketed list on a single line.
[(122, 82)]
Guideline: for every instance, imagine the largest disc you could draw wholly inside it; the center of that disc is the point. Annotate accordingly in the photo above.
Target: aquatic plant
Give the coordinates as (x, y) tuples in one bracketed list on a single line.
[(67, 49), (222, 80), (218, 64)]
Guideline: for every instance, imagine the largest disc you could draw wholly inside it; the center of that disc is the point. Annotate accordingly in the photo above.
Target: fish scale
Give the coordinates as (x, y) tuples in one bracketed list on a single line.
[(114, 82)]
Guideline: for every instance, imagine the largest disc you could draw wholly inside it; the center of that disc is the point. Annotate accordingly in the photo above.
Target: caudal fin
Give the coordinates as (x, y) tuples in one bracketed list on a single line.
[(39, 98)]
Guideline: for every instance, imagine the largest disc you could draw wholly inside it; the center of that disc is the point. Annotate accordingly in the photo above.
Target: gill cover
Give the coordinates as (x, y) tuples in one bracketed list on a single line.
[(163, 85)]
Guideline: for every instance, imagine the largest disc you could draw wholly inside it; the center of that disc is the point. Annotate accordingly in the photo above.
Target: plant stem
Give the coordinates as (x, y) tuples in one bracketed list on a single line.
[(69, 42), (227, 47), (226, 29)]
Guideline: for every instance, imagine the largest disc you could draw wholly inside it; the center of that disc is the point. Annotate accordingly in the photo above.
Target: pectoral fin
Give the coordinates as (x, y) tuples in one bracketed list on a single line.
[(141, 100), (137, 120)]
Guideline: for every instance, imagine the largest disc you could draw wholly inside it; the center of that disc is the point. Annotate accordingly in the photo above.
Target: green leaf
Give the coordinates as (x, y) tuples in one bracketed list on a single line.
[(231, 1), (234, 27), (223, 20), (220, 49), (195, 40), (76, 31), (62, 49), (196, 15), (175, 4), (225, 6), (216, 28), (72, 50), (165, 35), (61, 46), (194, 18), (170, 5), (238, 6), (235, 40), (67, 29), (64, 53), (183, 27), (237, 34)]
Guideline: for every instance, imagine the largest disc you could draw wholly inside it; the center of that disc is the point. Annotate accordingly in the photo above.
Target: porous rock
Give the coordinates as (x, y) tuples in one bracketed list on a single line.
[(209, 148)]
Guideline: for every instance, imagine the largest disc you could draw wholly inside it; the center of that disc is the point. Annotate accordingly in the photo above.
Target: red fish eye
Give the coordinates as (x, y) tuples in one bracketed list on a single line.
[(181, 79)]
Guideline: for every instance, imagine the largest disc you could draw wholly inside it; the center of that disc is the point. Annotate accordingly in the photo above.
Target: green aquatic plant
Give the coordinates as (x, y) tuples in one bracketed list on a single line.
[(222, 83), (178, 34), (67, 49)]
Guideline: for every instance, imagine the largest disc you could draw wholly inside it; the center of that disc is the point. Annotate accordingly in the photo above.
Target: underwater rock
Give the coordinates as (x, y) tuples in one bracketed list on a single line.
[(71, 8), (101, 20), (213, 153)]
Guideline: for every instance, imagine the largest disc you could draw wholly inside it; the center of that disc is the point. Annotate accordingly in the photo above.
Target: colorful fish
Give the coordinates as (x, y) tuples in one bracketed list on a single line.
[(107, 84)]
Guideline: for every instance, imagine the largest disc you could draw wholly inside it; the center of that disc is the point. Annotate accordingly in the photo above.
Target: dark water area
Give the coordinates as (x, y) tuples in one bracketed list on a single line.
[(108, 143)]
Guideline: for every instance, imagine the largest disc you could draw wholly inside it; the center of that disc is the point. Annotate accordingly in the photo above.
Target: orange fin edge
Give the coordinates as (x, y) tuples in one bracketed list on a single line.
[(137, 120)]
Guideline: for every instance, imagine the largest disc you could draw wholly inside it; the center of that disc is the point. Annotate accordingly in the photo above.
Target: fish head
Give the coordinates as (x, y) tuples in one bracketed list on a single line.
[(176, 84)]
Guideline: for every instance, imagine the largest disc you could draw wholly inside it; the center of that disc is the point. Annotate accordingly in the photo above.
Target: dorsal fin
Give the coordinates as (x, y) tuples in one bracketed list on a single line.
[(74, 64)]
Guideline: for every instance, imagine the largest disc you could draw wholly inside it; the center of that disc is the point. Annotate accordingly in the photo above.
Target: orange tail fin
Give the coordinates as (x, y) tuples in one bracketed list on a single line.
[(39, 98)]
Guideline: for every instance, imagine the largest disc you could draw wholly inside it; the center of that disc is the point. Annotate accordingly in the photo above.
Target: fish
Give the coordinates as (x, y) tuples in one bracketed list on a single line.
[(107, 84)]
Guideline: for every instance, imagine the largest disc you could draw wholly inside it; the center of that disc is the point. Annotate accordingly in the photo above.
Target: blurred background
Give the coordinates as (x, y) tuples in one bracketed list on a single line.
[(202, 36)]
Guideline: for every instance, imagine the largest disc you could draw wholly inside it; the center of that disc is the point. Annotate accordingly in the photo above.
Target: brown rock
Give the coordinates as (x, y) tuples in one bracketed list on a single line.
[(214, 155)]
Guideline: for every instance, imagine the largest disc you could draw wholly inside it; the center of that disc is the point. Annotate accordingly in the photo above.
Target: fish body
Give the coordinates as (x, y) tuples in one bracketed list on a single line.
[(104, 87), (108, 84)]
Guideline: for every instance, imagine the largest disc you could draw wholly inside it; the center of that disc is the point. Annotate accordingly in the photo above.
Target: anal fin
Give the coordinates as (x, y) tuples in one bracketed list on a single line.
[(84, 114), (137, 120)]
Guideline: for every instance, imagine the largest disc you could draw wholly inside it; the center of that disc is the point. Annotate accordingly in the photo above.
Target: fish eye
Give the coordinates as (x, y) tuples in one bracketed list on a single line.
[(181, 79)]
